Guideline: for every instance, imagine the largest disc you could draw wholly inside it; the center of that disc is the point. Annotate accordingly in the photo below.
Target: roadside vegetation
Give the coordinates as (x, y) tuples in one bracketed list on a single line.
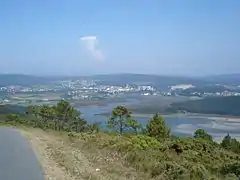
[(129, 151)]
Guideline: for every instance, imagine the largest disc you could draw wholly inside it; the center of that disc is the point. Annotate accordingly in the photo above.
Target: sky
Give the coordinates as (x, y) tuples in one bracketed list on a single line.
[(74, 37)]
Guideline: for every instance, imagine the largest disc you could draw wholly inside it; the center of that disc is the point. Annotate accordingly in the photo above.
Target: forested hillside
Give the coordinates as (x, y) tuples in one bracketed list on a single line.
[(211, 105), (23, 80), (6, 109)]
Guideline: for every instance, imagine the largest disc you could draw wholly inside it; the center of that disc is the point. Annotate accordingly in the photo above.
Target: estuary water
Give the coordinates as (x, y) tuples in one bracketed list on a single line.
[(180, 125)]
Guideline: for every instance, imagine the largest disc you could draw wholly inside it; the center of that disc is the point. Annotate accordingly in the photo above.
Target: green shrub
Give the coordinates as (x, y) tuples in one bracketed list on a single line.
[(198, 171), (233, 168), (231, 176), (230, 143), (201, 133), (73, 134), (144, 142), (131, 142), (169, 170)]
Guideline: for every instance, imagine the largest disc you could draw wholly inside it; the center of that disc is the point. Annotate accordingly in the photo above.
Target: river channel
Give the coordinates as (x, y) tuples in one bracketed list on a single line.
[(180, 125)]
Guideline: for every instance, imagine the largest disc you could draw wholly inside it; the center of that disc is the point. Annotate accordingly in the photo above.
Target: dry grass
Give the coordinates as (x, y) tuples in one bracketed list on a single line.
[(111, 163), (71, 158), (75, 156), (44, 147)]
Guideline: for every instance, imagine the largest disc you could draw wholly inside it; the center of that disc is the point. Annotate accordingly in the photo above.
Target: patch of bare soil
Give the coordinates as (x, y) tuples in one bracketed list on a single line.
[(59, 159)]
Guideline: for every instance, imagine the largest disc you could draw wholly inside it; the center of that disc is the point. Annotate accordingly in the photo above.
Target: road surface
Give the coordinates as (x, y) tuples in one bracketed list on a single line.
[(17, 160)]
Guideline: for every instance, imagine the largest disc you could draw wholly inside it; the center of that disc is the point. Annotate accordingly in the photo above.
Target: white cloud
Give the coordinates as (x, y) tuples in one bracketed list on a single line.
[(90, 43)]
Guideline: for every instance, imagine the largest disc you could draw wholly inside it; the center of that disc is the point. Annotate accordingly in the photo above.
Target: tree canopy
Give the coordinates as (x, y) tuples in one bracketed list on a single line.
[(202, 134), (157, 128)]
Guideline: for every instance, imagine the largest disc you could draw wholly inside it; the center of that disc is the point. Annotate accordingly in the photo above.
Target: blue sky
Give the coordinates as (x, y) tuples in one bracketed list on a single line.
[(74, 37)]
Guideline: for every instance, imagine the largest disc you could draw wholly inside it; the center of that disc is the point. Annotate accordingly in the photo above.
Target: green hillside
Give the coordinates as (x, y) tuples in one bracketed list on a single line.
[(8, 109), (24, 80), (211, 105)]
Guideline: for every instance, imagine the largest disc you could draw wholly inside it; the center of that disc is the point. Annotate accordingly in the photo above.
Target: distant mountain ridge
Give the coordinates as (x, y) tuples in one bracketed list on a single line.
[(127, 78), (20, 79), (165, 81), (211, 105), (232, 79), (145, 79)]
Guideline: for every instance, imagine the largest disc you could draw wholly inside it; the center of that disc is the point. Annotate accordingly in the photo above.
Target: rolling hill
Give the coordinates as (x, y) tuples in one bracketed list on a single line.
[(211, 105), (120, 79), (24, 80)]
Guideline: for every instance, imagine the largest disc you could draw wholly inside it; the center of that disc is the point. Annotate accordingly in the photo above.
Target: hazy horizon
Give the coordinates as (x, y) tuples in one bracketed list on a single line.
[(104, 74), (76, 38)]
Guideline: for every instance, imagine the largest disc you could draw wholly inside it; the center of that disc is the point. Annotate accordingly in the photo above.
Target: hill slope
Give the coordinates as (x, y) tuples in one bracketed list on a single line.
[(127, 78), (211, 105), (20, 79), (115, 157), (8, 109)]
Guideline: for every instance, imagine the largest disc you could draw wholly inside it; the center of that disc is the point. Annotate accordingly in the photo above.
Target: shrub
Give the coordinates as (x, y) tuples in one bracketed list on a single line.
[(198, 171), (144, 142), (230, 144), (169, 170), (200, 133), (95, 127), (231, 176), (233, 168)]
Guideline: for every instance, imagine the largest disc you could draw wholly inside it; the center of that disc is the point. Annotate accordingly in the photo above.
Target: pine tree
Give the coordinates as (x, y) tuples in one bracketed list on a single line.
[(157, 128)]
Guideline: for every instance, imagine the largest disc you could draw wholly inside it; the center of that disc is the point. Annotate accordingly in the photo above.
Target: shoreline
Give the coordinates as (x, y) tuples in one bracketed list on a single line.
[(215, 117)]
